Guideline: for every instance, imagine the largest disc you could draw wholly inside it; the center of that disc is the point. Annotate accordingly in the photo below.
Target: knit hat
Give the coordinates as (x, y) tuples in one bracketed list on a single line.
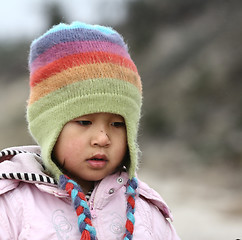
[(80, 69)]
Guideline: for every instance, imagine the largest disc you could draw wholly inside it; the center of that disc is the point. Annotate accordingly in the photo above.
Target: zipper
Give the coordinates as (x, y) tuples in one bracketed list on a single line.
[(91, 204)]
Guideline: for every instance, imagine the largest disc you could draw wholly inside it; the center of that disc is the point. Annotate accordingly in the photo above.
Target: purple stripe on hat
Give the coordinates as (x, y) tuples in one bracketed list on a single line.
[(41, 45), (64, 49)]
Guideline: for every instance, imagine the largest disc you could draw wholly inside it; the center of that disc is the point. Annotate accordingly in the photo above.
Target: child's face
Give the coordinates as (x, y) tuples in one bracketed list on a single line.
[(92, 146)]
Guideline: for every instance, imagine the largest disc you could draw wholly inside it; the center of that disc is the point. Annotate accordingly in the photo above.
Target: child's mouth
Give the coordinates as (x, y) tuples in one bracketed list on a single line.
[(98, 161)]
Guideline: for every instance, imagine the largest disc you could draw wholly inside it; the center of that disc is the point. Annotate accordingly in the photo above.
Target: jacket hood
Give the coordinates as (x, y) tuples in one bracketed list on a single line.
[(22, 164)]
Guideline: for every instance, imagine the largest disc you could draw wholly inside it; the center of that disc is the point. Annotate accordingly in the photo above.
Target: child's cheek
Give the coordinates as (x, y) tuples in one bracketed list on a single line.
[(75, 148)]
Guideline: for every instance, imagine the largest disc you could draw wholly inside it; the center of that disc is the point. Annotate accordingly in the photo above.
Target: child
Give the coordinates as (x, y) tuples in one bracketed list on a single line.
[(83, 111)]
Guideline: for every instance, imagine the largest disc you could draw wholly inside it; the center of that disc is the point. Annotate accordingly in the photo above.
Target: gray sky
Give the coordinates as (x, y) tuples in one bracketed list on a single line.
[(25, 18)]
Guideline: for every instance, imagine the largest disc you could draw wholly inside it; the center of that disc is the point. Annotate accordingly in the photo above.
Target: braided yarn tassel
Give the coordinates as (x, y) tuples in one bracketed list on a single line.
[(88, 232), (131, 192)]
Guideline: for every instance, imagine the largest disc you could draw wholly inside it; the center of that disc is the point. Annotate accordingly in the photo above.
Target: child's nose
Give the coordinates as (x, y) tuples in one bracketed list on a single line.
[(101, 139)]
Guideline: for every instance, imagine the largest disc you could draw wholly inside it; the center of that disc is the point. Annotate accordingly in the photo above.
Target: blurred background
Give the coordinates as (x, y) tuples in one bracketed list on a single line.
[(189, 55)]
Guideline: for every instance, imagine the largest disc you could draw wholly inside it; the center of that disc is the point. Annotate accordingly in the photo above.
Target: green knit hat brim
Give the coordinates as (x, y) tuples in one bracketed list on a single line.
[(48, 115)]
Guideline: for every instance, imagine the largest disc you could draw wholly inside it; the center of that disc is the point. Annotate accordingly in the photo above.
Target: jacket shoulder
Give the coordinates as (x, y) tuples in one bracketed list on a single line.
[(154, 198)]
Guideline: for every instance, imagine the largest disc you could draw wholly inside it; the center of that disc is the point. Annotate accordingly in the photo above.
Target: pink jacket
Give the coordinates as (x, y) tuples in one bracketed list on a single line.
[(33, 207)]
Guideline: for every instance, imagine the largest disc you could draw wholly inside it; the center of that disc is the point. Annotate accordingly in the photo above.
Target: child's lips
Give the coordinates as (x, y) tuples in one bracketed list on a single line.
[(101, 157), (98, 161)]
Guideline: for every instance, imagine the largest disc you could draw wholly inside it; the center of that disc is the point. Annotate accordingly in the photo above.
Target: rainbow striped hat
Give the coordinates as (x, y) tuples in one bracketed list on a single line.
[(80, 69)]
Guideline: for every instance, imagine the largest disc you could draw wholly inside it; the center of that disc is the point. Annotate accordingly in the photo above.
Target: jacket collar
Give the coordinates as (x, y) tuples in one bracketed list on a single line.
[(109, 186), (22, 164)]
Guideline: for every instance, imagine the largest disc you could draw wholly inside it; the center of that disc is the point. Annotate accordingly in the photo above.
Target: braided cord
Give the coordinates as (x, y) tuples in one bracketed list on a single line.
[(131, 192), (88, 232)]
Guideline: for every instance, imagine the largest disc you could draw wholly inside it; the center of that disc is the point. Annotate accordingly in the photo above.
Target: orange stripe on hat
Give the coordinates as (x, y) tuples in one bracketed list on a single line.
[(81, 73)]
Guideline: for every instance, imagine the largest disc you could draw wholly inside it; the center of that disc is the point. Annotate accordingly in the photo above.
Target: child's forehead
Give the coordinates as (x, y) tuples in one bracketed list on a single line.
[(100, 115)]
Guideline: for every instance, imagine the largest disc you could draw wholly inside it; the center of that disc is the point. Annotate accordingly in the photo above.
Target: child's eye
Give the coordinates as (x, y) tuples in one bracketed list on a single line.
[(84, 122), (118, 124)]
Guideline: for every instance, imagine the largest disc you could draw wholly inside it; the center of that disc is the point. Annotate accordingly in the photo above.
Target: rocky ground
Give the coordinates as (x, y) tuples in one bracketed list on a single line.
[(205, 201)]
